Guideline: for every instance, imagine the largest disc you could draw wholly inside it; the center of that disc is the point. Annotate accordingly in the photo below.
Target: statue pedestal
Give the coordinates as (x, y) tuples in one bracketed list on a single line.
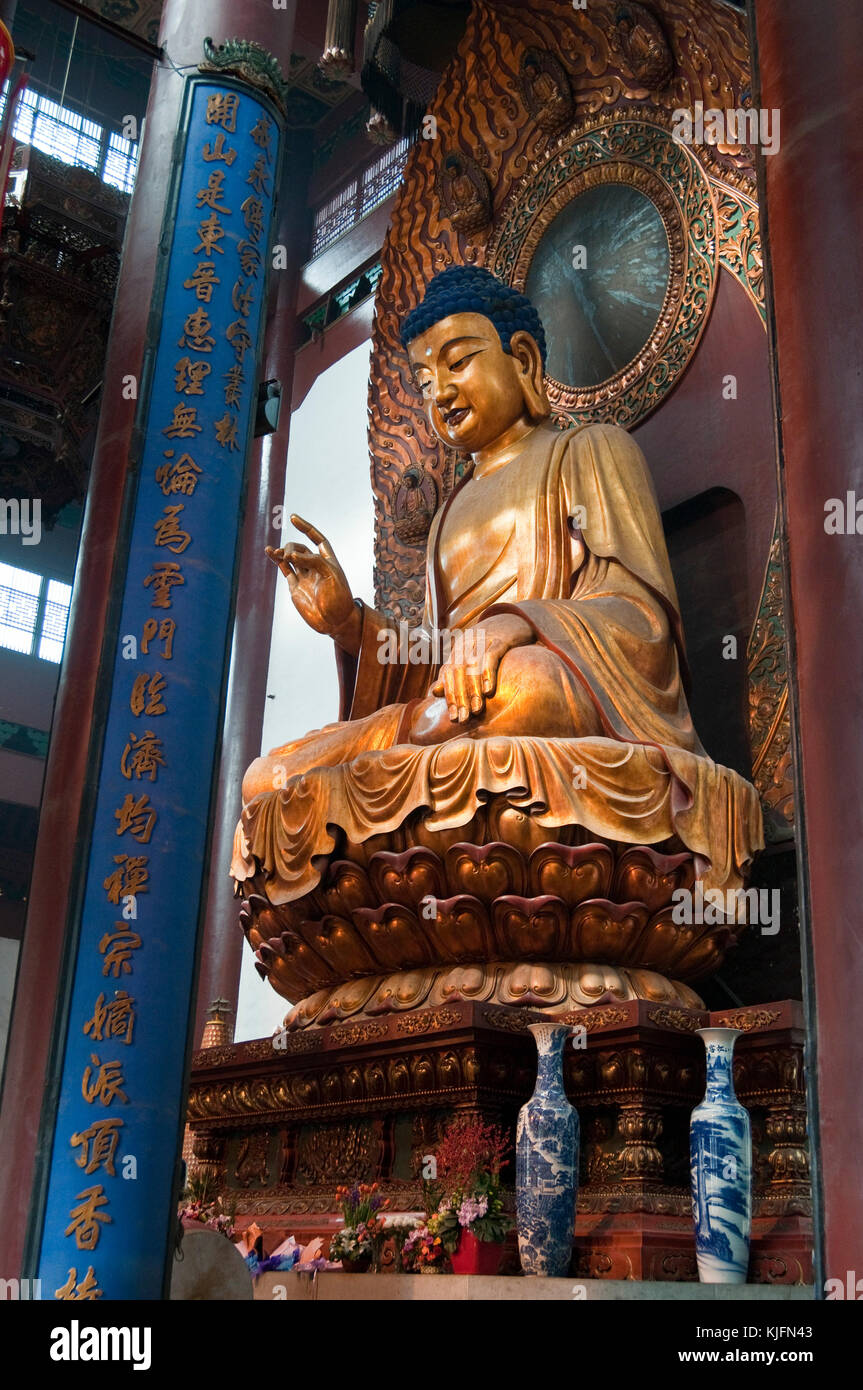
[(280, 1128)]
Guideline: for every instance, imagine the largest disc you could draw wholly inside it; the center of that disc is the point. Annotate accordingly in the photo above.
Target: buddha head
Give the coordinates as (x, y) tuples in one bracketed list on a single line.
[(477, 352)]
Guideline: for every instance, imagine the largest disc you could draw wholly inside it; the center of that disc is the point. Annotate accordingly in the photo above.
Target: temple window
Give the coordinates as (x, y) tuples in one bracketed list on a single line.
[(70, 137), (34, 611)]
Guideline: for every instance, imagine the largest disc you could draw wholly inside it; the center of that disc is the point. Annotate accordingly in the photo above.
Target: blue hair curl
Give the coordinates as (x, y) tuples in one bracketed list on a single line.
[(470, 289)]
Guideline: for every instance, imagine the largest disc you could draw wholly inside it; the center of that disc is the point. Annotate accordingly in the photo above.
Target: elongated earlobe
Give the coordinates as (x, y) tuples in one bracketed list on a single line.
[(525, 350)]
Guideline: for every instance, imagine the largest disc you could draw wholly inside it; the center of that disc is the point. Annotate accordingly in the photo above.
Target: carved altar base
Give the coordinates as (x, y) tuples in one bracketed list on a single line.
[(278, 1128)]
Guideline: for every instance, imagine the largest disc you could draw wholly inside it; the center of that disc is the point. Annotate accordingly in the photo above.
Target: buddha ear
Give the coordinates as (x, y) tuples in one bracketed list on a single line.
[(528, 360)]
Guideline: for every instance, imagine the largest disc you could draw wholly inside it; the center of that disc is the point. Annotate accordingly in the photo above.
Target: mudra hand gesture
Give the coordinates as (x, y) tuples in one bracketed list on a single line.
[(320, 592), (470, 673)]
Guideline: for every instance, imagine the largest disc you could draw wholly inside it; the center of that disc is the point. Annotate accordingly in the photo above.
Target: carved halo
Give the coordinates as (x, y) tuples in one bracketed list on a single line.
[(638, 152)]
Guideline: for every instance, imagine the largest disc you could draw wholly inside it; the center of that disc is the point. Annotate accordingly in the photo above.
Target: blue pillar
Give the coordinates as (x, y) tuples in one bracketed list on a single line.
[(107, 1213)]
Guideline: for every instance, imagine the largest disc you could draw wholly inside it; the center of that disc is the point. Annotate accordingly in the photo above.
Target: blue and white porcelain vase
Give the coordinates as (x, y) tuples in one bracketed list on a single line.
[(720, 1147), (546, 1162)]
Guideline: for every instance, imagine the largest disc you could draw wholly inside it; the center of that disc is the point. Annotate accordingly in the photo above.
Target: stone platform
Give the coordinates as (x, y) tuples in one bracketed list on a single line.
[(475, 1288)]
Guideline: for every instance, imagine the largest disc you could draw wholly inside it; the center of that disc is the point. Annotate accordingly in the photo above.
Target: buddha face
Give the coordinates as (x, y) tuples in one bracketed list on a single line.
[(473, 391)]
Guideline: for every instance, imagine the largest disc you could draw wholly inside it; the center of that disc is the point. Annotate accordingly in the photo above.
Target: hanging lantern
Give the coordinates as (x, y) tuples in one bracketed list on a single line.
[(7, 52), (407, 45)]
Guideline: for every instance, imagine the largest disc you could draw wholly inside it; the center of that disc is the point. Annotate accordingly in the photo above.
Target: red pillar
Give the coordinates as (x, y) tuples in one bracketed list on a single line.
[(221, 954), (807, 62), (70, 774)]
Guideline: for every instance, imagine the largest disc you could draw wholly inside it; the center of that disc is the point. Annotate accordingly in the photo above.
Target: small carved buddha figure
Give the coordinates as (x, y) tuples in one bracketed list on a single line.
[(545, 89), (548, 562)]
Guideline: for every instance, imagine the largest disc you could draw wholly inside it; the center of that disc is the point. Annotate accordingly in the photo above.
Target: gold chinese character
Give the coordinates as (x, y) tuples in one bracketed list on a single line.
[(262, 133), (253, 217), (222, 110), (181, 476), (117, 948), (237, 335), (86, 1218), (72, 1291), (163, 576), (196, 334), (113, 1020), (142, 757), (189, 375), (168, 530), (129, 878), (250, 257), (209, 197), (234, 389), (146, 697), (138, 817), (98, 1145), (226, 431), (210, 233), (165, 629), (184, 423), (202, 280), (218, 151), (107, 1083), (259, 175), (242, 297)]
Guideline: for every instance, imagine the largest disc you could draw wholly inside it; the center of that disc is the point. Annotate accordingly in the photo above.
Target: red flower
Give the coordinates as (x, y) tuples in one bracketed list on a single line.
[(470, 1147)]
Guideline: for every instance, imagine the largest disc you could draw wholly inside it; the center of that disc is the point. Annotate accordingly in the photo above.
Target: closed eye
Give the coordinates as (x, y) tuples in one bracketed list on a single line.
[(461, 361)]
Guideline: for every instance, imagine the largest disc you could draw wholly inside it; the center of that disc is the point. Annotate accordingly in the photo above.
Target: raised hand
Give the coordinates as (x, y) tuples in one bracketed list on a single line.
[(320, 592)]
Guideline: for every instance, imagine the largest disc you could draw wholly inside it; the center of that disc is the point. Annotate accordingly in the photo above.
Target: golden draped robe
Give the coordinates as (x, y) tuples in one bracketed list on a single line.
[(568, 536)]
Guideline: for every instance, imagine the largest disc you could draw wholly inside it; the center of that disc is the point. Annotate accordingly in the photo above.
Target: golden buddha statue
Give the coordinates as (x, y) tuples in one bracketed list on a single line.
[(557, 720)]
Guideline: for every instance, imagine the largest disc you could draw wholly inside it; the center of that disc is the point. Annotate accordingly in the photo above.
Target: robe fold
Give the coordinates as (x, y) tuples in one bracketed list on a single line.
[(568, 536)]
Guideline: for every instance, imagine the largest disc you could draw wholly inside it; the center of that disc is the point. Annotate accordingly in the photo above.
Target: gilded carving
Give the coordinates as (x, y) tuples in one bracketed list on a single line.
[(223, 1056), (397, 1079), (545, 89), (428, 1021), (251, 1167), (637, 150), (740, 238), (616, 1198), (595, 1018), (773, 1204), (640, 1159), (348, 1152), (465, 193), (749, 1019), (414, 506), (362, 945), (529, 984), (777, 1269), (769, 715), (300, 1042), (642, 43), (316, 1199), (357, 1033), (676, 1266), (513, 1020), (674, 1018)]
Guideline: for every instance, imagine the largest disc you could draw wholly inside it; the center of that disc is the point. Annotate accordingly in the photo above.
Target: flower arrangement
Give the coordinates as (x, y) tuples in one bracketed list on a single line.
[(197, 1205), (468, 1190), (399, 1229), (424, 1247), (364, 1228)]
